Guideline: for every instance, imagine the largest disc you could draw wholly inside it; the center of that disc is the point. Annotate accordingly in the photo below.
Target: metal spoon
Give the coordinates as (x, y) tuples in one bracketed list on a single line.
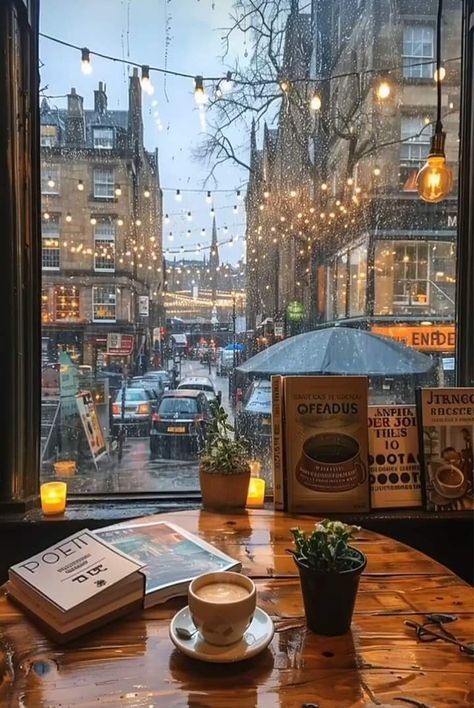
[(184, 633)]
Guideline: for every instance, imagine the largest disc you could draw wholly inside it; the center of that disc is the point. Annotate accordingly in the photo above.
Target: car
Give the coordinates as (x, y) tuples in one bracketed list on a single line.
[(154, 385), (180, 426), (160, 375), (224, 362), (253, 422), (201, 383), (137, 411)]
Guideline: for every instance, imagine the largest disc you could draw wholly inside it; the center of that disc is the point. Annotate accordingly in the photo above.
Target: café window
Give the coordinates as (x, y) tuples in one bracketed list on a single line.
[(104, 183), (66, 303), (104, 303), (48, 135), (418, 48), (104, 246), (50, 246), (46, 309), (341, 285), (50, 179), (357, 280), (415, 277), (103, 138)]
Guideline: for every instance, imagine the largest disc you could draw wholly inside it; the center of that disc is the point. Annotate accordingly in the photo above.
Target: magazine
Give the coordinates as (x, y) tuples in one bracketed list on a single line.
[(446, 437), (171, 555)]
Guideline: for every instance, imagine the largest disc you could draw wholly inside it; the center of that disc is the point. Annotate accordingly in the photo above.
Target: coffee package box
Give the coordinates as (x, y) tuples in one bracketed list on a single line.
[(326, 443), (446, 425), (394, 460)]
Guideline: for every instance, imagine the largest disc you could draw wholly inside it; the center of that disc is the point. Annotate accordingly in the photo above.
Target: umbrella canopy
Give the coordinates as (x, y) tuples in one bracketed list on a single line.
[(338, 350), (238, 347)]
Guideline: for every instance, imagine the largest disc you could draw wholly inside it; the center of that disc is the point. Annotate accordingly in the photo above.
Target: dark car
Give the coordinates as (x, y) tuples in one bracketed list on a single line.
[(253, 422), (137, 411), (179, 427)]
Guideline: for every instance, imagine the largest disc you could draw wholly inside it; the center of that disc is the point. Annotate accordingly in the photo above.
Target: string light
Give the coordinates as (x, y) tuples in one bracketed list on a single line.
[(138, 222), (145, 81), (227, 84), (208, 198), (93, 220), (80, 185), (315, 103), (146, 193), (178, 195), (235, 209), (86, 65), (51, 182), (200, 95), (284, 86), (376, 171), (324, 186), (383, 90), (239, 195), (213, 213), (118, 190), (189, 216), (120, 222), (68, 217), (46, 216), (442, 74), (167, 219)]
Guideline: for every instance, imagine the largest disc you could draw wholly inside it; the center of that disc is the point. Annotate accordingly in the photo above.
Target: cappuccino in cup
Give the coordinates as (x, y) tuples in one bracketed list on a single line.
[(222, 592)]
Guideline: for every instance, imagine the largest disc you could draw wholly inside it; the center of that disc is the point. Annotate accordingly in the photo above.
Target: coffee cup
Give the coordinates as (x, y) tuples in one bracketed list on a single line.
[(330, 462), (222, 606), (449, 479)]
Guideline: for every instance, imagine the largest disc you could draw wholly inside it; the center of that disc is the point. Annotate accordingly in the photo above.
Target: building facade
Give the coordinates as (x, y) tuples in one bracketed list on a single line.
[(101, 231)]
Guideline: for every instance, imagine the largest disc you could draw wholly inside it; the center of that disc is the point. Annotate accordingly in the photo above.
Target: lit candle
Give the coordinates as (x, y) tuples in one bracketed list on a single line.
[(53, 497), (255, 467), (256, 493)]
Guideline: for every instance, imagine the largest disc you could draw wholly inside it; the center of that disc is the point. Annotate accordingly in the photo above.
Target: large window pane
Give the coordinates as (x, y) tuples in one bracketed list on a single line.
[(186, 217)]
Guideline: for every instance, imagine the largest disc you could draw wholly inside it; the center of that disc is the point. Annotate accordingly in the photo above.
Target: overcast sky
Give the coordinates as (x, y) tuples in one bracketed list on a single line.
[(137, 30)]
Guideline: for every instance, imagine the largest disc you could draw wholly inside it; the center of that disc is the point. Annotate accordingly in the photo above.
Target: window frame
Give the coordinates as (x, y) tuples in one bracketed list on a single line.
[(109, 185), (55, 236), (103, 128), (97, 303), (106, 239), (421, 72)]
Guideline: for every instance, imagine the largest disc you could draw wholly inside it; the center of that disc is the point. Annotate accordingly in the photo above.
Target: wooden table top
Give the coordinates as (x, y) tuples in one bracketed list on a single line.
[(132, 662)]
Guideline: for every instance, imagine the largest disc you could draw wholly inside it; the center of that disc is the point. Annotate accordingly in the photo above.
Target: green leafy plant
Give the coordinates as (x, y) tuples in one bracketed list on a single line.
[(326, 549), (223, 454)]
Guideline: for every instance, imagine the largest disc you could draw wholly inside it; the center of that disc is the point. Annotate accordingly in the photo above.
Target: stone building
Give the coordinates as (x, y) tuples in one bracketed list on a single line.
[(101, 230)]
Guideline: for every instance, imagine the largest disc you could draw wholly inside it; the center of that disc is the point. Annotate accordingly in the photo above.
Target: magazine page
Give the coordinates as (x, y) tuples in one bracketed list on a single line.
[(447, 416), (171, 555)]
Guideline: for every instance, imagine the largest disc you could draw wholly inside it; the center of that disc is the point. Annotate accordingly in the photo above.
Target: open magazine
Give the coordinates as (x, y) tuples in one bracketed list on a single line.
[(172, 556)]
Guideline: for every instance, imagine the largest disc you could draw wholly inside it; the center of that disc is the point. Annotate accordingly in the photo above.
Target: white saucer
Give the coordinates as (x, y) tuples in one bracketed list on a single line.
[(257, 637)]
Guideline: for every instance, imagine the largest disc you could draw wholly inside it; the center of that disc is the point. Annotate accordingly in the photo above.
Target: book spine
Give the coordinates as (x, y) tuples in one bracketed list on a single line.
[(277, 443), (422, 452)]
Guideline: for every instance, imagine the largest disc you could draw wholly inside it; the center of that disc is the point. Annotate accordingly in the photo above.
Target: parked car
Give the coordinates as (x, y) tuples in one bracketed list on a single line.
[(224, 362), (154, 385), (253, 422), (138, 409), (159, 375), (180, 426), (201, 383)]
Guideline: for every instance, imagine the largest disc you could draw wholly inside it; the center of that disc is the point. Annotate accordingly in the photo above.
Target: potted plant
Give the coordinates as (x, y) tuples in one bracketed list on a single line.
[(224, 472), (329, 570)]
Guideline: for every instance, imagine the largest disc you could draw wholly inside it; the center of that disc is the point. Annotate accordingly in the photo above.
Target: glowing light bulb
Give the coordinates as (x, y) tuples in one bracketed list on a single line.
[(93, 220), (145, 81), (315, 103), (118, 190), (284, 86), (167, 219), (376, 171), (212, 213), (119, 222), (208, 198), (86, 65), (383, 90), (200, 95), (138, 222), (46, 216), (324, 187), (442, 74), (51, 182), (435, 179), (68, 218), (189, 216), (350, 181), (80, 185), (178, 196), (235, 209), (146, 193)]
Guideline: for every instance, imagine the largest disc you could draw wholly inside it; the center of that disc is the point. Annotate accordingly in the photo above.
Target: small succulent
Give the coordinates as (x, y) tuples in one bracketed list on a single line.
[(223, 454), (326, 548)]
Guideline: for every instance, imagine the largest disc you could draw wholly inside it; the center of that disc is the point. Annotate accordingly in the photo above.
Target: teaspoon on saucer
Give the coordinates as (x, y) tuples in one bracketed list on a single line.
[(184, 633)]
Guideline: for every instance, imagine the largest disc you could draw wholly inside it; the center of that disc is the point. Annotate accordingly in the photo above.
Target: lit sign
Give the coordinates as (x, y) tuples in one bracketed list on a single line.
[(433, 338)]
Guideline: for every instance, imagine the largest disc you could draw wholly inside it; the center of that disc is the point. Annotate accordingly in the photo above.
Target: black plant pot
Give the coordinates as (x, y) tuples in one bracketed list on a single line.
[(329, 598)]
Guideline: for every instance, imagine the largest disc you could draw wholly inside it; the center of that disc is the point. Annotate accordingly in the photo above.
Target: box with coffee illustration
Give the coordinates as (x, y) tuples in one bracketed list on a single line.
[(326, 443), (446, 424), (394, 460)]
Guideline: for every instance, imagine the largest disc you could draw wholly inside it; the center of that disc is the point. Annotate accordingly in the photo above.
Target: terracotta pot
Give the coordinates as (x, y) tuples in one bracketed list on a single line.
[(221, 492), (329, 598)]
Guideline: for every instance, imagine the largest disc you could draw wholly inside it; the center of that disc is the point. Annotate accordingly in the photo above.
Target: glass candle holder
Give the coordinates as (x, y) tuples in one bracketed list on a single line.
[(53, 498), (256, 493)]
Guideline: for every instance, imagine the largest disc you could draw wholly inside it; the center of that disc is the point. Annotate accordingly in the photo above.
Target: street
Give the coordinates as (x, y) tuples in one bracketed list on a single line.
[(136, 472)]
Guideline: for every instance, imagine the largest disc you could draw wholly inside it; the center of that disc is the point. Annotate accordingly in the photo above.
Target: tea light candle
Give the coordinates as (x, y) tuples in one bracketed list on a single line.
[(53, 498), (256, 493)]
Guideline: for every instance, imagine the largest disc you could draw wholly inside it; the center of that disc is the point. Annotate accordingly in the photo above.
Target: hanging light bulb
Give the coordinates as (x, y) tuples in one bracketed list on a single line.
[(93, 220), (188, 232), (383, 90), (227, 84), (51, 182), (146, 193), (86, 65), (239, 195), (315, 103), (145, 81), (118, 190), (189, 216), (435, 179), (68, 217), (376, 171), (167, 219), (138, 222), (119, 222), (178, 196), (235, 209), (213, 213), (324, 187), (293, 193), (284, 86), (350, 181), (46, 216), (266, 192), (208, 198), (203, 231), (200, 95), (441, 73), (80, 185)]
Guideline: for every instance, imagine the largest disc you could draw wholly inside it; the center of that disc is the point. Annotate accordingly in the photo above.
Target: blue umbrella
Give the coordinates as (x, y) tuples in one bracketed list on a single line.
[(238, 347)]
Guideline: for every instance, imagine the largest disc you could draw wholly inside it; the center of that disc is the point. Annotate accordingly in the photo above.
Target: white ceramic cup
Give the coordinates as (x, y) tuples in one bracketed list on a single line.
[(222, 623)]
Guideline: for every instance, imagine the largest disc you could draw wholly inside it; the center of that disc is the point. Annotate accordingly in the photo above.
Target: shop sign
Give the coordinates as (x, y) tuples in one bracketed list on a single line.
[(119, 344), (143, 306), (278, 329), (91, 424), (295, 311), (432, 338)]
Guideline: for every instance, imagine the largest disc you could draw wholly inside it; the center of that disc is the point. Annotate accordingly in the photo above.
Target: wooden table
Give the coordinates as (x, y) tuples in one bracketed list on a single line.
[(133, 663)]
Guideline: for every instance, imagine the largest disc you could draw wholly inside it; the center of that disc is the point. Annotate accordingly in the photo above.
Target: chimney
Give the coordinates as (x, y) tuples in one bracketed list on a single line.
[(135, 121), (100, 99), (75, 126)]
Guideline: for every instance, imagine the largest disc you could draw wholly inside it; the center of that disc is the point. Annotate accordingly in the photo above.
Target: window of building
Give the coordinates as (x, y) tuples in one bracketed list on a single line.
[(50, 245), (415, 135), (341, 285), (50, 176), (418, 48), (66, 303), (103, 137), (104, 246), (104, 303), (48, 135), (104, 183), (46, 306), (357, 280)]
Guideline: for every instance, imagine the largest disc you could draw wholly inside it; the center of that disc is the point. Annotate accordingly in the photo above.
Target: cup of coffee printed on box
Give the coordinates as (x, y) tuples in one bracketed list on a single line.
[(449, 479), (222, 606), (330, 462)]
